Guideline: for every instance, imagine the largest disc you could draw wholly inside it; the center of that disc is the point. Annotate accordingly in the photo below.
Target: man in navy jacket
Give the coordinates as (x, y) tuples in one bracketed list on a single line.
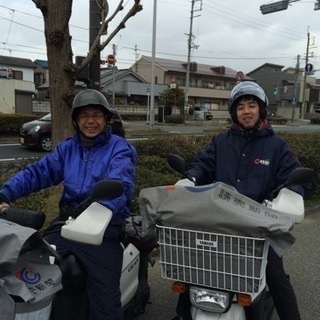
[(254, 160)]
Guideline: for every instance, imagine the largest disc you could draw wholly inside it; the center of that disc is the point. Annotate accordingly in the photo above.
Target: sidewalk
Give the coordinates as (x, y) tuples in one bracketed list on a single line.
[(9, 138)]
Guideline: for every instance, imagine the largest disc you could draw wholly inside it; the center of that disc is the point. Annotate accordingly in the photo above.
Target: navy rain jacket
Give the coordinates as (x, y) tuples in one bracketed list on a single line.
[(254, 162), (79, 169)]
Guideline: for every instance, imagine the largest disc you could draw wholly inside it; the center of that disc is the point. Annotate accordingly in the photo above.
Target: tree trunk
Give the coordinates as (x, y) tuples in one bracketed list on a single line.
[(62, 71), (61, 68)]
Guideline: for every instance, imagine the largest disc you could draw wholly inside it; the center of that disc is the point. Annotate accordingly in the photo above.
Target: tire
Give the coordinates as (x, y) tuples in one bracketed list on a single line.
[(46, 144)]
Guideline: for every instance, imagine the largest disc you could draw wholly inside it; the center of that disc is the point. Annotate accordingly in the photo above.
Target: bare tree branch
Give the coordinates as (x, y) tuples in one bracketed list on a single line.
[(136, 7), (96, 46)]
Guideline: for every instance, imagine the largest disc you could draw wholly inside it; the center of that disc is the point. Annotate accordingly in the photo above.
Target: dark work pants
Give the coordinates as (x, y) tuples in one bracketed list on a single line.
[(281, 290), (102, 265)]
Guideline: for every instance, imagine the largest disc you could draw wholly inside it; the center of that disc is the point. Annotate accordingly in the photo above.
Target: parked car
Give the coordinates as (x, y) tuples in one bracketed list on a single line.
[(37, 133), (201, 113)]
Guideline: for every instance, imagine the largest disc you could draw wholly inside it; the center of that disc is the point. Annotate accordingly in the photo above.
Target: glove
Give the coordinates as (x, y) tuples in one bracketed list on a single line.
[(4, 207), (184, 182), (4, 204)]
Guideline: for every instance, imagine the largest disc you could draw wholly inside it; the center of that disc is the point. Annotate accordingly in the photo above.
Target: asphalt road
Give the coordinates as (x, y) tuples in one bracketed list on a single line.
[(301, 263)]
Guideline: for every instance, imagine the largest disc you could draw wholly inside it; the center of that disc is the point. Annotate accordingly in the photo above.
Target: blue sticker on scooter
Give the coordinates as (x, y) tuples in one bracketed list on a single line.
[(29, 276)]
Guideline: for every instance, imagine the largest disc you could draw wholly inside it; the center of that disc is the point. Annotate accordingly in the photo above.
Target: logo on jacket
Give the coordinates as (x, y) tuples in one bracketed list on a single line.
[(263, 162)]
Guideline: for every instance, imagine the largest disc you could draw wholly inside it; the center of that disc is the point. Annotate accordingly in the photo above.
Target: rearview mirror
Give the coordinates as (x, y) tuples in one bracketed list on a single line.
[(104, 190), (178, 164), (300, 176)]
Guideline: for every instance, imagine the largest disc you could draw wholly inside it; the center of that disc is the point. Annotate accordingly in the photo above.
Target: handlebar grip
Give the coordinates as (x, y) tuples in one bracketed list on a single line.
[(26, 218)]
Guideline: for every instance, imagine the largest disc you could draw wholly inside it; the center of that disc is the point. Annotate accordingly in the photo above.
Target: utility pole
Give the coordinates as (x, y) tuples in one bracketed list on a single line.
[(294, 98), (94, 25), (153, 63), (190, 46), (113, 77), (303, 107)]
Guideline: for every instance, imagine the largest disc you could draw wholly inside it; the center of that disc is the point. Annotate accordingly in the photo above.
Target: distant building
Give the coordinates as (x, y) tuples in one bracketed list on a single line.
[(16, 85), (284, 88), (209, 85), (128, 87)]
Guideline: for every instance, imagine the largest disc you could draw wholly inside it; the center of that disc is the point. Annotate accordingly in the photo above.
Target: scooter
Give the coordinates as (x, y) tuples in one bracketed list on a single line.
[(220, 275), (89, 227)]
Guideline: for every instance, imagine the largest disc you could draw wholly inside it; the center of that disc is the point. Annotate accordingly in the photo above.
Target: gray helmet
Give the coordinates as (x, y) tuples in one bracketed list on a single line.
[(248, 88), (89, 97)]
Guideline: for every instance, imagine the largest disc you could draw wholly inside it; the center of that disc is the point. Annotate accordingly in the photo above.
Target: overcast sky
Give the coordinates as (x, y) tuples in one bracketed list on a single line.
[(232, 33)]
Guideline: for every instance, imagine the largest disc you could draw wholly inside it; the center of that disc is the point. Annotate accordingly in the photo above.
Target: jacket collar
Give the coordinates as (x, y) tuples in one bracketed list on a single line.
[(101, 139), (264, 129)]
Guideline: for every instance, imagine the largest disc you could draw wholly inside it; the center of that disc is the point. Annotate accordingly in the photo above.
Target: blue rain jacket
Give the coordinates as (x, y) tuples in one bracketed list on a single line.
[(254, 162), (79, 169)]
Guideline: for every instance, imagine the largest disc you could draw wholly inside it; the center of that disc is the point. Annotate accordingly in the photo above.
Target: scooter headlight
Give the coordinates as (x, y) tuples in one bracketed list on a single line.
[(209, 299)]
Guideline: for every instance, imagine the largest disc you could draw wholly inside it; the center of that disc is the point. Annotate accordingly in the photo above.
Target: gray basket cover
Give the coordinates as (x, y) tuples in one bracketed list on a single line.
[(214, 208)]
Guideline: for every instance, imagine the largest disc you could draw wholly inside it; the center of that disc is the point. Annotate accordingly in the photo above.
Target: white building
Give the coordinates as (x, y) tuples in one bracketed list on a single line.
[(16, 85)]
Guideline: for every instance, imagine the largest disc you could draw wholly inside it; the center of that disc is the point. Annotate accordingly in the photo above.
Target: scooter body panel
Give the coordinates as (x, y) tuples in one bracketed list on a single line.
[(129, 276), (235, 312)]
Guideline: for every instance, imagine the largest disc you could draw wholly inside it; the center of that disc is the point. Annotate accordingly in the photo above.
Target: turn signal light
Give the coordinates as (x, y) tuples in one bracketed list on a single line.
[(244, 300), (179, 287)]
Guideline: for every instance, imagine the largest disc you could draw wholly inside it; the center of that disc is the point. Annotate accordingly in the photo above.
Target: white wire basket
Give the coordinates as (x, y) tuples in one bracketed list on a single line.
[(226, 262)]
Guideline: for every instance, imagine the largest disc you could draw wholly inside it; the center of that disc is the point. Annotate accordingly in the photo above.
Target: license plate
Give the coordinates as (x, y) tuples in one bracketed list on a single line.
[(21, 140)]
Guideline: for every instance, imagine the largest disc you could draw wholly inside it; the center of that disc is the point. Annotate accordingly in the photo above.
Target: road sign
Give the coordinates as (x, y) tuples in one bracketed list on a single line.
[(239, 76), (111, 59), (10, 73), (308, 67)]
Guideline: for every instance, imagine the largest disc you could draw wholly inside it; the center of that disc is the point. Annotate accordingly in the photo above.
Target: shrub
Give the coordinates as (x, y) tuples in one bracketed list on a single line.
[(11, 123), (315, 120), (174, 118), (277, 120)]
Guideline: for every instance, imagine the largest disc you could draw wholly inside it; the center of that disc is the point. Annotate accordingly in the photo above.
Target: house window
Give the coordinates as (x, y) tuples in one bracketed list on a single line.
[(39, 79), (17, 75), (180, 81), (3, 73)]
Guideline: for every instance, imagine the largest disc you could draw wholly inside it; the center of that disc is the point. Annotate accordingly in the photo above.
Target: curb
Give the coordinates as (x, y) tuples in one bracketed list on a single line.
[(9, 140)]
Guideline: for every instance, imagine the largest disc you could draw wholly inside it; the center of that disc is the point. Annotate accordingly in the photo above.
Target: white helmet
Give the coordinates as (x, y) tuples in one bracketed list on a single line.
[(248, 88)]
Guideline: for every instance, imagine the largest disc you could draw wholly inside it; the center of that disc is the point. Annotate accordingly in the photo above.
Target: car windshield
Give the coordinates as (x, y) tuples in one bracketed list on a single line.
[(46, 118)]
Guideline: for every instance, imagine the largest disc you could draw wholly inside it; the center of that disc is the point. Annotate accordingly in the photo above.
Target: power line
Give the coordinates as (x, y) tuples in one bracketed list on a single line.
[(38, 16), (8, 34)]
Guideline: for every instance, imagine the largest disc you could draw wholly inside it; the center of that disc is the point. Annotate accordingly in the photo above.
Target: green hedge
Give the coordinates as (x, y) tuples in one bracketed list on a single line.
[(152, 168), (11, 123), (174, 118)]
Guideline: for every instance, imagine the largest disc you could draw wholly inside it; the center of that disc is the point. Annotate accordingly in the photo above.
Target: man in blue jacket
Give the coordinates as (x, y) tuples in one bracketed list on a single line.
[(254, 160), (92, 154)]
